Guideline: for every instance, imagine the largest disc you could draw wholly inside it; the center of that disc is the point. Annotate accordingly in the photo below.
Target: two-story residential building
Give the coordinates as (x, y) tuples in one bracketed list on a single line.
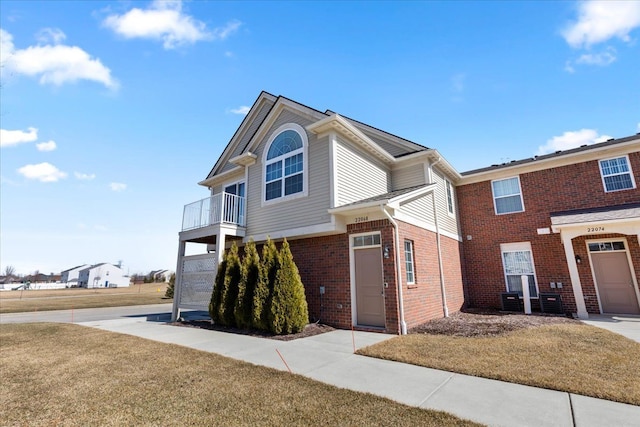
[(570, 221), (70, 276), (371, 218), (103, 275)]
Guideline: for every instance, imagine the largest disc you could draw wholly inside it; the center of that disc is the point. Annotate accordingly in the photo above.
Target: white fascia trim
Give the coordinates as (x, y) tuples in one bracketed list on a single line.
[(273, 115), (332, 227), (217, 179), (358, 207), (431, 153), (419, 192), (597, 153), (244, 126), (337, 123), (401, 216)]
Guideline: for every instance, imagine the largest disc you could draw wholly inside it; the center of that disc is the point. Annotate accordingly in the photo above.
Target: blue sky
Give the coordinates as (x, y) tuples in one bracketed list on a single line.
[(111, 112)]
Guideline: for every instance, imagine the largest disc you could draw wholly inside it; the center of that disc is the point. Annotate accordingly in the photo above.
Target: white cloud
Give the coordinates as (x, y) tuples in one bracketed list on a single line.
[(54, 64), (572, 139), (15, 137), (243, 109), (50, 35), (224, 32), (638, 127), (84, 176), (99, 227), (166, 21), (43, 172), (118, 186), (599, 21), (602, 59), (46, 146)]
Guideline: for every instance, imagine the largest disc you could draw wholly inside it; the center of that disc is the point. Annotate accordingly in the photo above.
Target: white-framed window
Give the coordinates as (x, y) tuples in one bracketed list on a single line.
[(449, 189), (616, 174), (285, 164), (363, 240), (507, 195), (408, 262), (517, 260)]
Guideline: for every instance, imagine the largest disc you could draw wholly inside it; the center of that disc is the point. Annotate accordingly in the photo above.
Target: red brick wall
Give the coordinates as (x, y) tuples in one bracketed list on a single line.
[(423, 299), (324, 261), (563, 188)]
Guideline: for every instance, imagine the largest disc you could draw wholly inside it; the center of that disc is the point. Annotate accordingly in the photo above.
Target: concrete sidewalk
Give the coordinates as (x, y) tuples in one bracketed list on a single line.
[(624, 324), (329, 358)]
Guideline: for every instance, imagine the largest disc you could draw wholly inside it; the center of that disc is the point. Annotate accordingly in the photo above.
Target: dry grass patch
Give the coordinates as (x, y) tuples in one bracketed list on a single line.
[(66, 299), (55, 374), (566, 356)]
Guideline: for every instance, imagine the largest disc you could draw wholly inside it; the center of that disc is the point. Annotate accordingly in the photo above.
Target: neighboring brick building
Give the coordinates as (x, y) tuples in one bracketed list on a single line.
[(569, 220)]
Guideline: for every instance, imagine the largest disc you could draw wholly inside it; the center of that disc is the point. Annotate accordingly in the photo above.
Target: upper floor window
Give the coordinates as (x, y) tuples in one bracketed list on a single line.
[(507, 196), (449, 189), (616, 174), (285, 162)]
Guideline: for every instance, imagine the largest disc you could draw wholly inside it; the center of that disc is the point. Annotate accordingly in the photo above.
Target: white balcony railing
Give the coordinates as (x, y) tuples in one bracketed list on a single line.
[(219, 208)]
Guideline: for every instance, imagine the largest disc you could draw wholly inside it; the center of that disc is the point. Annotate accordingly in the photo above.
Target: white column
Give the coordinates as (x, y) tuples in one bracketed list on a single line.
[(220, 243), (177, 286), (574, 275), (526, 296)]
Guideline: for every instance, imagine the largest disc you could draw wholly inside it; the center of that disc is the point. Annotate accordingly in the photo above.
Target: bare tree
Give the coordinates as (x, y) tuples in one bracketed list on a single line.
[(9, 271)]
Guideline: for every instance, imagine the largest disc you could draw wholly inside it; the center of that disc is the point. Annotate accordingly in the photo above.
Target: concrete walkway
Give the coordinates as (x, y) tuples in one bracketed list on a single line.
[(623, 324), (329, 358)]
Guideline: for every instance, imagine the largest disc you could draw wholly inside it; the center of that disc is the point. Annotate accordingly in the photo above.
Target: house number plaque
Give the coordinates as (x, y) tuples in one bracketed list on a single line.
[(362, 219), (594, 229)]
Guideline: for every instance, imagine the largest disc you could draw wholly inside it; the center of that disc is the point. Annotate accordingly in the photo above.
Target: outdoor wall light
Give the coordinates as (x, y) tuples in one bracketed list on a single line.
[(385, 251), (578, 259)]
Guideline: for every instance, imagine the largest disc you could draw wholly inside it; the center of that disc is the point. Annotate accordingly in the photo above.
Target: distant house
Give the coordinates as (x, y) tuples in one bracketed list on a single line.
[(70, 276), (102, 275), (159, 275)]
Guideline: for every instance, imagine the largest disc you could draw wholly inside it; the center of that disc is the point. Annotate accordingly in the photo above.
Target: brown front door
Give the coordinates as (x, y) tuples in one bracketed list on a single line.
[(615, 284), (369, 287)]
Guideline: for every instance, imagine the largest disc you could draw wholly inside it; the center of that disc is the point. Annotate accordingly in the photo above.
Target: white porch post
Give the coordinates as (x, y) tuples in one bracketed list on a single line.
[(177, 286), (220, 244), (575, 276)]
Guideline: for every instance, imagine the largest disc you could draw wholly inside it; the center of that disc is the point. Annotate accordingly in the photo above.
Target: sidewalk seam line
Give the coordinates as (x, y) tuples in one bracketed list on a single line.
[(436, 389), (573, 416)]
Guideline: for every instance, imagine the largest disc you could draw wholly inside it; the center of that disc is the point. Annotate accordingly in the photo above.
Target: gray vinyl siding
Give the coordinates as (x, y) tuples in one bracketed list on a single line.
[(409, 176), (359, 176), (248, 134), (422, 208), (445, 220), (295, 213)]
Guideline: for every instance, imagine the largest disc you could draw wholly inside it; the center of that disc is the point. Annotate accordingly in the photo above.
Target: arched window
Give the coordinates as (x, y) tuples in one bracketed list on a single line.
[(285, 164)]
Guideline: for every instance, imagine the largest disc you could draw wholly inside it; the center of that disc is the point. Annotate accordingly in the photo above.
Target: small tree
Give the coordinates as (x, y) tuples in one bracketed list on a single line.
[(269, 266), (170, 288), (230, 288), (288, 309), (216, 295), (250, 275)]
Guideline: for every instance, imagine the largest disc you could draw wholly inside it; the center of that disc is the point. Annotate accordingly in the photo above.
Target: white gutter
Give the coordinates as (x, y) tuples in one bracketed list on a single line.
[(443, 291), (396, 236)]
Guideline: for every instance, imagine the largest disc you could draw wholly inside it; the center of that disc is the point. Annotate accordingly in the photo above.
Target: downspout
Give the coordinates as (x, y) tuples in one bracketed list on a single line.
[(443, 291), (396, 237)]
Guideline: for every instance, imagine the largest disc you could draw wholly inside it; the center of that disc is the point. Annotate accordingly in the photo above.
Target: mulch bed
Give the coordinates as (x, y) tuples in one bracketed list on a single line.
[(483, 323), (310, 330)]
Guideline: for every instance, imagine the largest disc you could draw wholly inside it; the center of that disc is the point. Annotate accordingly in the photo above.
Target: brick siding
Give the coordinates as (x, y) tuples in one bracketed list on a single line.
[(576, 186)]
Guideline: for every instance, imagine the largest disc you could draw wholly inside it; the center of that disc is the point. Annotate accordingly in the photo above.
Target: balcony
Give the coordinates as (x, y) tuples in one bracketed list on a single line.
[(221, 208)]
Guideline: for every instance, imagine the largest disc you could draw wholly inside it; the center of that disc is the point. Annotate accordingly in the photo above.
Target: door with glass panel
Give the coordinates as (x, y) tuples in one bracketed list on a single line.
[(234, 203)]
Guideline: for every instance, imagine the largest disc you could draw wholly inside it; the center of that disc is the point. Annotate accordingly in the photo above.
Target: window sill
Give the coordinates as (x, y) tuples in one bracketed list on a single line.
[(412, 286)]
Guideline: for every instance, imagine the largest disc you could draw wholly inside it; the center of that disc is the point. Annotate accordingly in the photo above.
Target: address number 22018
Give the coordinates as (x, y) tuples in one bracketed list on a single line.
[(362, 218), (594, 229)]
